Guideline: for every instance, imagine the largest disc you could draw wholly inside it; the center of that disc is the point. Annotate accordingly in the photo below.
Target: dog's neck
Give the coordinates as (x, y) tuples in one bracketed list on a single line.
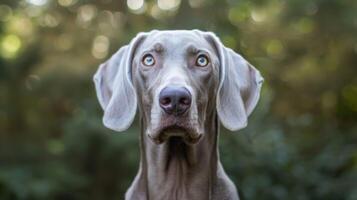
[(175, 170)]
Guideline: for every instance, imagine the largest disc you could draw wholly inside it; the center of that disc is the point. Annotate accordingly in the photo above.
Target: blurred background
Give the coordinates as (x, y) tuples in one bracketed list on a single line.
[(301, 141)]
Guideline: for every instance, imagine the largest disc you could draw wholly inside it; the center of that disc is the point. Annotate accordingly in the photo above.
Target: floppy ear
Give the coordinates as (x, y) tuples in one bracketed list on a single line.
[(114, 87), (239, 87)]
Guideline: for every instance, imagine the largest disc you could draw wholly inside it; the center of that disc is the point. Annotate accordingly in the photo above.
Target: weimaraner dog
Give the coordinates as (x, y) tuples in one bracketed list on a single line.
[(184, 84)]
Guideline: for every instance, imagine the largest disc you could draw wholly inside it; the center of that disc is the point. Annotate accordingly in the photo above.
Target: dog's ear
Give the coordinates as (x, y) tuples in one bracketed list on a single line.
[(114, 87), (239, 87)]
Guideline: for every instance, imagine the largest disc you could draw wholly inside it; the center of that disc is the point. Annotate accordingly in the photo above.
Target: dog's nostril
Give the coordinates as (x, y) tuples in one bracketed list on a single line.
[(185, 101), (165, 101)]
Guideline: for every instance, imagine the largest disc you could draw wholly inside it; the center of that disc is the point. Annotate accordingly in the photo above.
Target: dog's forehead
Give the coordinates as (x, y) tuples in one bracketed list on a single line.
[(174, 40)]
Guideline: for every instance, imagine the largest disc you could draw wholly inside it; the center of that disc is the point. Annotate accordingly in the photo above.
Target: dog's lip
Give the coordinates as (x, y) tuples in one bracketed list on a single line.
[(189, 136)]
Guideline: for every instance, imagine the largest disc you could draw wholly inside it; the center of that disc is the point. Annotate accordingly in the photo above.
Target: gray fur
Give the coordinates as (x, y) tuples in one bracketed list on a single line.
[(226, 90)]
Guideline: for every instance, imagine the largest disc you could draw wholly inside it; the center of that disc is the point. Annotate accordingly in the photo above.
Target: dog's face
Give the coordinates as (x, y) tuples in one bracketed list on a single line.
[(177, 79)]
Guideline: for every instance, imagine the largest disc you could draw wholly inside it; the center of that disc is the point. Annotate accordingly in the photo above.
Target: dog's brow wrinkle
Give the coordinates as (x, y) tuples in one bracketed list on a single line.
[(191, 49), (158, 47)]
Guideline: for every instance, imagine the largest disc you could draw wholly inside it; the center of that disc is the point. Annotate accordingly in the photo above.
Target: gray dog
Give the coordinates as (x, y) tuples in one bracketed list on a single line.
[(183, 83)]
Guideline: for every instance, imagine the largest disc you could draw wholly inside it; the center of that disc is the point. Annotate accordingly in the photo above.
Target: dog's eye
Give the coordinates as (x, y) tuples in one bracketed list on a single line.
[(202, 61), (148, 60)]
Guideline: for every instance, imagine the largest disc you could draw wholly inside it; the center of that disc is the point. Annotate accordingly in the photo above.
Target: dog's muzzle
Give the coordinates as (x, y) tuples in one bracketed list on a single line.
[(188, 135), (175, 103)]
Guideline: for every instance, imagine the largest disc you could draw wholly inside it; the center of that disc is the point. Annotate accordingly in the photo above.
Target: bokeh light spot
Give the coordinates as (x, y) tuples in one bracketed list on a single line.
[(10, 46), (196, 3), (20, 25), (135, 4), (33, 11), (168, 4), (37, 2), (66, 3), (100, 47), (85, 14), (258, 15), (50, 20), (155, 12)]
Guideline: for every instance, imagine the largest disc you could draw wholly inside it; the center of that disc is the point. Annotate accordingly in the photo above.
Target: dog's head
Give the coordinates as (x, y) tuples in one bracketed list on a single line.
[(177, 79)]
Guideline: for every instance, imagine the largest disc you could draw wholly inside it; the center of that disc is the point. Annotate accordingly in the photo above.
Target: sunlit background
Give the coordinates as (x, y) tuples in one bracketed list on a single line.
[(301, 141)]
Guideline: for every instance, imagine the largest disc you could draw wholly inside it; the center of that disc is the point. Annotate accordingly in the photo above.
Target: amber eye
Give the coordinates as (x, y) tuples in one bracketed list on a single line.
[(148, 60), (202, 61)]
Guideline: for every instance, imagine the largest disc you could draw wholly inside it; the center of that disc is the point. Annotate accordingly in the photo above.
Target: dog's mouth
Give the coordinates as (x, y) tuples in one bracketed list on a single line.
[(187, 134)]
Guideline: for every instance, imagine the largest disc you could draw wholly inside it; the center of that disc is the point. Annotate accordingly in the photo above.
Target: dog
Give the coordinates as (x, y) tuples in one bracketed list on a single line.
[(183, 83)]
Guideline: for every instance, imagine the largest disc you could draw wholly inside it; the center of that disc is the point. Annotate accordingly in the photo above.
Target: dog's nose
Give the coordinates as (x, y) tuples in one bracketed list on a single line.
[(175, 100)]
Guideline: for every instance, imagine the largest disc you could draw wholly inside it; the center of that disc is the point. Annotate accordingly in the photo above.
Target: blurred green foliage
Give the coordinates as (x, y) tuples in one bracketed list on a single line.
[(301, 142)]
